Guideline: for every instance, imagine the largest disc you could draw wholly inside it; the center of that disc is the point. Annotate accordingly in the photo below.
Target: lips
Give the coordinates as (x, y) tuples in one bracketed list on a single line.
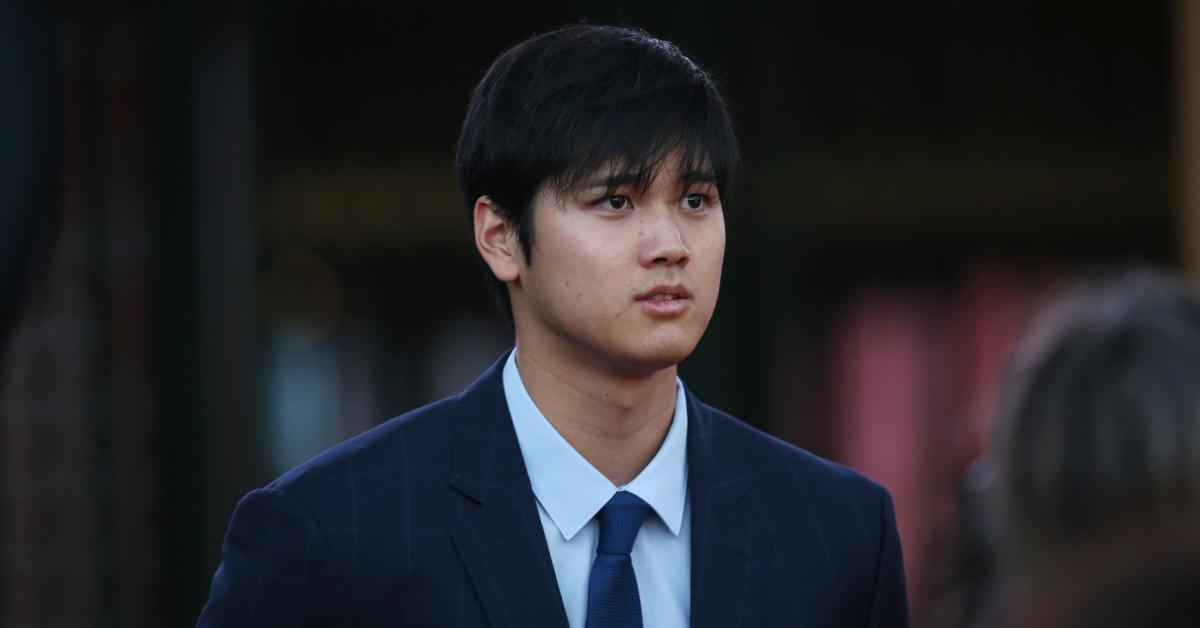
[(665, 293), (665, 301)]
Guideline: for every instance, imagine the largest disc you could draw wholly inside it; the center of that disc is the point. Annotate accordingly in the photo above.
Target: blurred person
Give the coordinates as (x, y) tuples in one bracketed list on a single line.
[(577, 482), (1097, 460), (1139, 574)]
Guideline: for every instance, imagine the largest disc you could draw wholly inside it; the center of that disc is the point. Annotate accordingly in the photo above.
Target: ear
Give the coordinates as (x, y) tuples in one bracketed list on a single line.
[(496, 241)]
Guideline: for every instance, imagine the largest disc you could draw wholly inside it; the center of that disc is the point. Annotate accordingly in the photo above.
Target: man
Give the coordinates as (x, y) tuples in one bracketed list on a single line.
[(577, 482)]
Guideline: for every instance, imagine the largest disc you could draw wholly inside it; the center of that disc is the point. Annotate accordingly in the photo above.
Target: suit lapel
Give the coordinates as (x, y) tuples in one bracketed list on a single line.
[(728, 556), (500, 541)]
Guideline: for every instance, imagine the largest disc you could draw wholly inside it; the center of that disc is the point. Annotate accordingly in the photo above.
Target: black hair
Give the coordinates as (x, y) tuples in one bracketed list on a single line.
[(557, 107)]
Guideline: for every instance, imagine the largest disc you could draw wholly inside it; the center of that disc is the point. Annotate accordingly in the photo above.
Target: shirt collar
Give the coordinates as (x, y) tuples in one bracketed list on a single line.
[(569, 488)]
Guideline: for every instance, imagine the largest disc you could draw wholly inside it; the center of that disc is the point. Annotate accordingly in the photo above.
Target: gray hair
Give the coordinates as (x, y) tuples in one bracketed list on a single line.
[(1097, 419)]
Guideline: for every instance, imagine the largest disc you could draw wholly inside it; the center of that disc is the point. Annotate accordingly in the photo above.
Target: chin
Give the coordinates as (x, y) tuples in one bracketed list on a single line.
[(657, 355)]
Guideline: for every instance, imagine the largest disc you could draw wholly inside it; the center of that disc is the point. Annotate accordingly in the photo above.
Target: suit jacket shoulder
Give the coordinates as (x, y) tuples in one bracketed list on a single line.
[(827, 544), (785, 470), (425, 520), (413, 448)]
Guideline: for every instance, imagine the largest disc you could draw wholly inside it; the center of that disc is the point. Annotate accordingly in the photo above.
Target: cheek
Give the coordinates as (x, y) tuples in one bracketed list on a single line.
[(578, 274), (710, 253)]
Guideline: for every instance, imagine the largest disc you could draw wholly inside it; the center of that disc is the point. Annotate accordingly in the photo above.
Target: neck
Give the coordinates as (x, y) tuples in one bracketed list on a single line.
[(617, 422)]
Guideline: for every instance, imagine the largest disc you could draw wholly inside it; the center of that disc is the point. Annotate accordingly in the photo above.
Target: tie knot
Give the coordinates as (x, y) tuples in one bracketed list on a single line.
[(620, 520)]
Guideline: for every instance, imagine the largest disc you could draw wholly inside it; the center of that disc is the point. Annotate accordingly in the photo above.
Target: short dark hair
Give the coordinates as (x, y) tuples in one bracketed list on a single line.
[(1099, 417), (557, 107)]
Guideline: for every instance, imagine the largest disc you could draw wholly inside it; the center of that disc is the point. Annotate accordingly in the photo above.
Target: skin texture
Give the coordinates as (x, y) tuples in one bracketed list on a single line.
[(599, 363)]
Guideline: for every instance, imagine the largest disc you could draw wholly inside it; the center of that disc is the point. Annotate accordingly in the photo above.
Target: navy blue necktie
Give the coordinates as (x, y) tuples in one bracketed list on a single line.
[(612, 587)]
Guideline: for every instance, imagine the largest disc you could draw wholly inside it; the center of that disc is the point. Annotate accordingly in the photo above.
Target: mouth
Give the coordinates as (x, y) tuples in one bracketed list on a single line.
[(665, 293), (665, 300)]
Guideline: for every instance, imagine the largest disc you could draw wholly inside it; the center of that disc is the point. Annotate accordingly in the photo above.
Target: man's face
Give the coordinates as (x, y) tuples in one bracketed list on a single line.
[(622, 279)]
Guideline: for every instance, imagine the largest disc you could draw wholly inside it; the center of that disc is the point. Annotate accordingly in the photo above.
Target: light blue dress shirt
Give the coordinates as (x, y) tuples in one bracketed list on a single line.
[(570, 491)]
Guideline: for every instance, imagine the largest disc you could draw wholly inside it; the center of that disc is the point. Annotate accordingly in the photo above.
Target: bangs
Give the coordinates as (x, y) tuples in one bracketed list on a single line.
[(634, 142), (631, 143)]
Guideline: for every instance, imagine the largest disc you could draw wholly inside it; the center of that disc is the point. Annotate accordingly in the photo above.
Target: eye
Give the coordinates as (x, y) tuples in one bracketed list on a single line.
[(696, 202), (615, 202)]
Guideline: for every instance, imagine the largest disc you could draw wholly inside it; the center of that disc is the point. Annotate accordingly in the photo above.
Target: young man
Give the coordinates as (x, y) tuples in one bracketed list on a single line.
[(577, 482)]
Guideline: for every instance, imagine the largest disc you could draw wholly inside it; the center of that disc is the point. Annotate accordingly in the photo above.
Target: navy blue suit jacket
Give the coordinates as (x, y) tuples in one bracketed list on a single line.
[(429, 520)]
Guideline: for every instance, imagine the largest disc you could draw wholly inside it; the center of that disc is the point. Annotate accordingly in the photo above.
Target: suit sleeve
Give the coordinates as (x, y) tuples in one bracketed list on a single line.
[(276, 569), (889, 605)]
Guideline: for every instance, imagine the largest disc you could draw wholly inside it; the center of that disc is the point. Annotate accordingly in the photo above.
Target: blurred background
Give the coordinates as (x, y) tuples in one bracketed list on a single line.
[(250, 245)]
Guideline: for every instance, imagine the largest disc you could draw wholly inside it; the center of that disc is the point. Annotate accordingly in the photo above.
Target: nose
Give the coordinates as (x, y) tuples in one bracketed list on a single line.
[(662, 242)]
